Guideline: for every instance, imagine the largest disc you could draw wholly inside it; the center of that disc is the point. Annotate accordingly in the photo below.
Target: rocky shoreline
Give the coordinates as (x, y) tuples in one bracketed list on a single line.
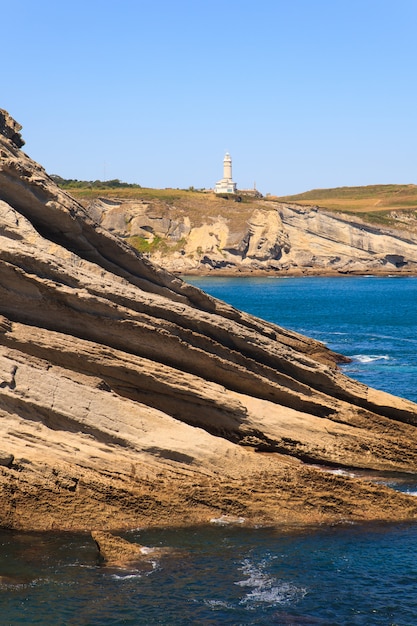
[(129, 398), (267, 273), (211, 236)]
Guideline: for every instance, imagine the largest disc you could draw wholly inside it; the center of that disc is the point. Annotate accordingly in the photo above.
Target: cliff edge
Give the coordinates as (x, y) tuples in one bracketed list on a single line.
[(129, 398), (200, 233)]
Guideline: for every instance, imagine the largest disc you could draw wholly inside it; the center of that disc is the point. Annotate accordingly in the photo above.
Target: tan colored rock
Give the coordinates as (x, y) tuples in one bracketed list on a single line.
[(128, 398), (6, 459), (10, 129), (118, 552), (270, 236)]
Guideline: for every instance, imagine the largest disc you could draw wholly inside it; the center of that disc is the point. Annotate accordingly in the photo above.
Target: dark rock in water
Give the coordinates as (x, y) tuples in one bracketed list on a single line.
[(119, 552), (14, 581)]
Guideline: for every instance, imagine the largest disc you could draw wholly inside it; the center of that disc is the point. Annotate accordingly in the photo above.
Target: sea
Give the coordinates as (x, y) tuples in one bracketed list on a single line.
[(351, 574)]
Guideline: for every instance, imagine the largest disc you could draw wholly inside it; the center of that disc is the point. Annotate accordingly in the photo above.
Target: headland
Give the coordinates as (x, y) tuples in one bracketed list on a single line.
[(129, 398)]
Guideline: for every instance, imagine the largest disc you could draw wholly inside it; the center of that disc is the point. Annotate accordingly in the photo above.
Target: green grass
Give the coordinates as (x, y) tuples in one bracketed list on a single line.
[(133, 193), (369, 191), (359, 199), (147, 246), (373, 203)]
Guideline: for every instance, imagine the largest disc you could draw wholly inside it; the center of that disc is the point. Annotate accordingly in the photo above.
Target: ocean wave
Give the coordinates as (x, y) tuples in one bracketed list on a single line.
[(219, 604), (370, 358), (373, 336), (126, 576), (265, 588), (337, 472), (137, 572)]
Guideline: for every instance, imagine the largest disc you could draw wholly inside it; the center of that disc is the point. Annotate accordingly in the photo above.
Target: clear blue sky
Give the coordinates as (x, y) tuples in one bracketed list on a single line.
[(303, 93)]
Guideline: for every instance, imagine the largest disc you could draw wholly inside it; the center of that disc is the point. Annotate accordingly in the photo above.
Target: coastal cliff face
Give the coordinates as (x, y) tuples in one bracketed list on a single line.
[(258, 236), (129, 398)]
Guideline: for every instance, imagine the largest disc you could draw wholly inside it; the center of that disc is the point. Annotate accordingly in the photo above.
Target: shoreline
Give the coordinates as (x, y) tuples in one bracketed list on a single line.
[(289, 496), (244, 273), (225, 521), (283, 528)]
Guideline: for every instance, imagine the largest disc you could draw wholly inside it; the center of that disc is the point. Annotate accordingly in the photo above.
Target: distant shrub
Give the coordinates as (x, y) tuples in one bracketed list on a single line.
[(73, 183)]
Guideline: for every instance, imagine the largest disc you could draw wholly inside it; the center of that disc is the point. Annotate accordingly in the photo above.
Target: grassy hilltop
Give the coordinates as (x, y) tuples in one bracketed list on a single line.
[(199, 206), (373, 203)]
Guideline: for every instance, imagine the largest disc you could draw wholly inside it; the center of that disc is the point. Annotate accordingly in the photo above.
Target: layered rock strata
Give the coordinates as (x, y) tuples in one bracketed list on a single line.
[(261, 236), (130, 398)]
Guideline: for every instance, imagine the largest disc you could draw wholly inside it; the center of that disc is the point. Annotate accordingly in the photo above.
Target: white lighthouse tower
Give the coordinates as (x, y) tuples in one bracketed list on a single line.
[(227, 167), (226, 184)]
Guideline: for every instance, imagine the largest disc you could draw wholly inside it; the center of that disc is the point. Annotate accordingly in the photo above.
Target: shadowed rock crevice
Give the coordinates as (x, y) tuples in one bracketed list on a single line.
[(143, 376)]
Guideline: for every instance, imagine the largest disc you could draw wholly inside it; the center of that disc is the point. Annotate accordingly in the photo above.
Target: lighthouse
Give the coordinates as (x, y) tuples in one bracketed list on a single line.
[(226, 184), (227, 167)]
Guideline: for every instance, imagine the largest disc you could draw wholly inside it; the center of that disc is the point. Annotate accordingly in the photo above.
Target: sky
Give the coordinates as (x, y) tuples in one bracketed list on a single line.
[(303, 94)]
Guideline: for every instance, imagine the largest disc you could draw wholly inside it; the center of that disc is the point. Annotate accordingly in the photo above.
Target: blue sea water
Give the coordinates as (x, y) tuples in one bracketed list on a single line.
[(372, 320), (342, 575)]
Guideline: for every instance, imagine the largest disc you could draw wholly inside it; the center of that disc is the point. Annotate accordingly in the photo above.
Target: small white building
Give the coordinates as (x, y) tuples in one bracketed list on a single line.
[(226, 184)]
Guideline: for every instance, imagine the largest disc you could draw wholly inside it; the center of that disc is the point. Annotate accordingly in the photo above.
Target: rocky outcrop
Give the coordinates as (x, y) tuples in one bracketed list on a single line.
[(118, 552), (269, 236), (322, 241), (128, 397), (10, 129)]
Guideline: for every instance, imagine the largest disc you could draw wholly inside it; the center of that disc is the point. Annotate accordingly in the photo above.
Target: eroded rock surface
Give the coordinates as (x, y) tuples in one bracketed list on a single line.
[(128, 397), (261, 236), (118, 552)]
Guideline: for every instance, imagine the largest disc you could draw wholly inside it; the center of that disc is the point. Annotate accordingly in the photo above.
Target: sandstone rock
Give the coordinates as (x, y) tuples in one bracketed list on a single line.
[(128, 397), (6, 459), (10, 129), (118, 552), (115, 550), (270, 236)]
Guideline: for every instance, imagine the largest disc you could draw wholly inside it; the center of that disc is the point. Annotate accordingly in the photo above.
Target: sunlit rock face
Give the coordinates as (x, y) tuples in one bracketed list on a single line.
[(259, 236), (128, 397)]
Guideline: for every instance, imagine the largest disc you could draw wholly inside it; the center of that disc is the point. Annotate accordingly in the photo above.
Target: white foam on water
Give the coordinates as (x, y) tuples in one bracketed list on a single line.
[(224, 520), (126, 576), (370, 358), (264, 588), (336, 471), (218, 604), (136, 573), (341, 472)]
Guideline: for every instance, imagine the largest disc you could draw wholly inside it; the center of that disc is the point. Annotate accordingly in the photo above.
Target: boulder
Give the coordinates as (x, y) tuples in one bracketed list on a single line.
[(118, 552), (6, 459)]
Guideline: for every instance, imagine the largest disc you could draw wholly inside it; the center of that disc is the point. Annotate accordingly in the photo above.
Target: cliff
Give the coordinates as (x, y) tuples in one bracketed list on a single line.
[(202, 233), (129, 398)]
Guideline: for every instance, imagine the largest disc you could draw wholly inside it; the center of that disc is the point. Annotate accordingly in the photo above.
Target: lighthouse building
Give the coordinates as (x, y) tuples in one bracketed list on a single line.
[(226, 184)]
